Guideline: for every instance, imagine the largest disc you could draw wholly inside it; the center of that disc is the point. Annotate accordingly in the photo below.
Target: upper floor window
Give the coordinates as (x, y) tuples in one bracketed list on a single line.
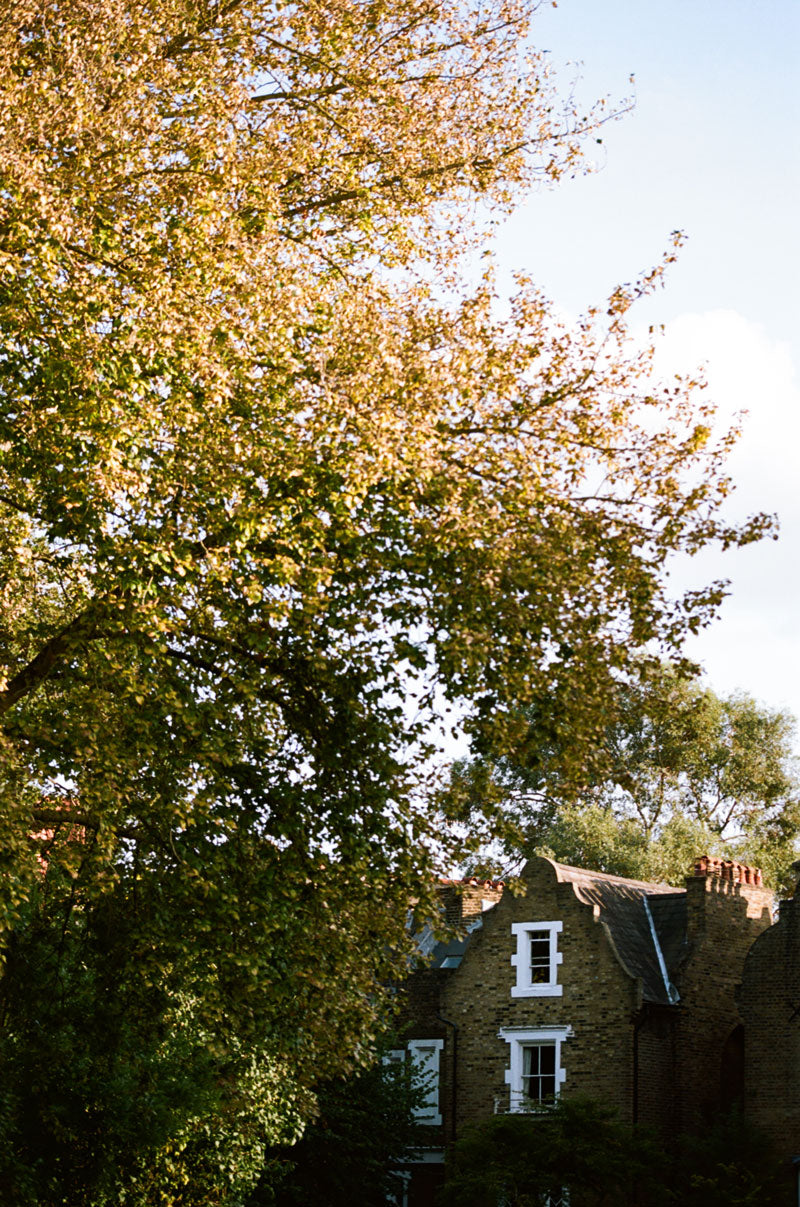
[(535, 1072), (536, 959)]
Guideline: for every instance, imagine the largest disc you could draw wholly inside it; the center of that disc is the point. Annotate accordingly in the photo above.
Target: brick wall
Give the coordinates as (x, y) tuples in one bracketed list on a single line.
[(769, 1000), (654, 1048), (724, 918)]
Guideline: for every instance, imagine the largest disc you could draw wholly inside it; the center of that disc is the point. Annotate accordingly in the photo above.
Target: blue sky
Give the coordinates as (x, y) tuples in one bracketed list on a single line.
[(712, 147)]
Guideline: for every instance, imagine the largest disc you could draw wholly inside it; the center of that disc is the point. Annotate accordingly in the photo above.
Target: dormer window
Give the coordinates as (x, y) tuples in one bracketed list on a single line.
[(536, 959)]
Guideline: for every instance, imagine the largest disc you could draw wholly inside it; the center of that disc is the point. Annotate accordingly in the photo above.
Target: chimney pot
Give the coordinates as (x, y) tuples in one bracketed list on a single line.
[(730, 869)]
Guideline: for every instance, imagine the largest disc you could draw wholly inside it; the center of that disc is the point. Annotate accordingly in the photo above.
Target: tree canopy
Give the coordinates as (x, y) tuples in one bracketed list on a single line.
[(577, 1147), (679, 771), (274, 482)]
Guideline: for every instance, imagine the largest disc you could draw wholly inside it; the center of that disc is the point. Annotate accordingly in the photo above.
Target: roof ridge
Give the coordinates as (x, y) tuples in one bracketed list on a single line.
[(660, 887)]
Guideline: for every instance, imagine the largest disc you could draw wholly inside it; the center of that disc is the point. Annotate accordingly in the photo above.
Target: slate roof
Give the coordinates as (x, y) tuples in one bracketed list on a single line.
[(644, 920), (669, 915), (450, 952)]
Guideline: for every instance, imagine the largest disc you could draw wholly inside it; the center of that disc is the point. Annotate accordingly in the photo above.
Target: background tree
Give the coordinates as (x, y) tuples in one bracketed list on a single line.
[(680, 771), (732, 1163), (260, 484)]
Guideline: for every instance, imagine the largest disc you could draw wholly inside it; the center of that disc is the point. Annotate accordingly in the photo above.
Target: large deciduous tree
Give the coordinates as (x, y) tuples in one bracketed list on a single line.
[(267, 474)]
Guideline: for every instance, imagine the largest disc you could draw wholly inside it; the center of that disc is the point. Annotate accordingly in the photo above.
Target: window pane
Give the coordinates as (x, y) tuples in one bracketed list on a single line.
[(426, 1065), (539, 1072), (540, 960)]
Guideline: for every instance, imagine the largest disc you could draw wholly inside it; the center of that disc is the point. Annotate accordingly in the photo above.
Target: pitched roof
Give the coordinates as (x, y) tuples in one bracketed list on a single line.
[(669, 915), (646, 921)]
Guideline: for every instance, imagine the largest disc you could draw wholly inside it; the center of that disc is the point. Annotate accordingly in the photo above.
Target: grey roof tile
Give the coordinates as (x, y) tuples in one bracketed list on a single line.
[(620, 904)]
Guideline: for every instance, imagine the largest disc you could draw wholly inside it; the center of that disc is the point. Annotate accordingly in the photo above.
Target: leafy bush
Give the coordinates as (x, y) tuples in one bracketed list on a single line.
[(528, 1160), (523, 1160)]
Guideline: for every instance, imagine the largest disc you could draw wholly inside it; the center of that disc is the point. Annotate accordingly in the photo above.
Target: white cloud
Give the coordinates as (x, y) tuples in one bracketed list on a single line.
[(755, 645), (746, 371)]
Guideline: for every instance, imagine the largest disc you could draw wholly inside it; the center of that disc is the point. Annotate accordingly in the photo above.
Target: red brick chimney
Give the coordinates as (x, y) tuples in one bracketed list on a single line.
[(728, 869), (727, 903)]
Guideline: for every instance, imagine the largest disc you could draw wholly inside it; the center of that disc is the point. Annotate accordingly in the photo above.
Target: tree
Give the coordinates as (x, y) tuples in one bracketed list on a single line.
[(680, 770), (583, 1147), (352, 1151), (579, 1147), (261, 484), (115, 1088), (732, 1163)]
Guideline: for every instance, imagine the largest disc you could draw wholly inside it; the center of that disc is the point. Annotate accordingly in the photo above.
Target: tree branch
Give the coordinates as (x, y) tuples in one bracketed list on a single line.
[(85, 627), (338, 198), (75, 817)]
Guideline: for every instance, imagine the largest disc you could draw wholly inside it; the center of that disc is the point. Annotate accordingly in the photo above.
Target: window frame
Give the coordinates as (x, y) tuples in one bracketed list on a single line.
[(525, 986), (429, 1111), (520, 1038)]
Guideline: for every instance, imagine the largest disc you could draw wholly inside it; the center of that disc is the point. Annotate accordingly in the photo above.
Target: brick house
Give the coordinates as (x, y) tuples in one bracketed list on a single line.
[(587, 984)]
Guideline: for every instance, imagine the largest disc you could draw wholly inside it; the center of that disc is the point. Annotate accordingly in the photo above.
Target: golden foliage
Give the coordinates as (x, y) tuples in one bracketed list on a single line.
[(267, 467)]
